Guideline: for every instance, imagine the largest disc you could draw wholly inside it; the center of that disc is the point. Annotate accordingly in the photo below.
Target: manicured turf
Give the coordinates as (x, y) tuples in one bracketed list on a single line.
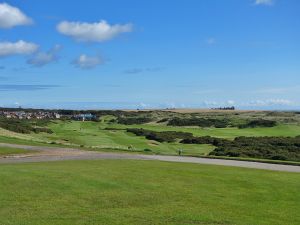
[(145, 192), (12, 151)]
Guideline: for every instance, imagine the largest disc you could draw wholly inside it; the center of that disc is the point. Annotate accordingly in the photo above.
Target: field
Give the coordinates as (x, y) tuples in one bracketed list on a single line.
[(109, 134), (143, 192), (115, 191)]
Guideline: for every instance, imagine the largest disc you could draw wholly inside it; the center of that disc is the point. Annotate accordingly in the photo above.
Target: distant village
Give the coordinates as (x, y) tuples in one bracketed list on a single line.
[(224, 108), (25, 115)]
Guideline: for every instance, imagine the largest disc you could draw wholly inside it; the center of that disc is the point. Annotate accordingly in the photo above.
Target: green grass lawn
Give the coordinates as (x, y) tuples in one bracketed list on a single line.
[(12, 151), (145, 192)]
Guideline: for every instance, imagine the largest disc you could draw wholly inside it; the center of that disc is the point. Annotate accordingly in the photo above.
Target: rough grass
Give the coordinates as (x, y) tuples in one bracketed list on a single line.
[(143, 192), (12, 151)]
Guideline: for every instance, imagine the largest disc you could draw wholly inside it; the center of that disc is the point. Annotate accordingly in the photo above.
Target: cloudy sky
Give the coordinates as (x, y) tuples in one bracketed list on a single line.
[(150, 54)]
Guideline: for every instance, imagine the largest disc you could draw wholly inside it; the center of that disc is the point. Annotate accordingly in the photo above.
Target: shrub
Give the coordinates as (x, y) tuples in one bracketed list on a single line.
[(258, 123), (133, 120), (276, 148), (164, 136), (163, 120), (201, 122)]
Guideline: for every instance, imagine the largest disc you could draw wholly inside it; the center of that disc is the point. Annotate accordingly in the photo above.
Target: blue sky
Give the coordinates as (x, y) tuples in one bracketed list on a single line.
[(150, 54)]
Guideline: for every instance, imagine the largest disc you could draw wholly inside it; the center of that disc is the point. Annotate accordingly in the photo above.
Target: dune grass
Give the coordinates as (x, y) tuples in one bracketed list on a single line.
[(145, 192)]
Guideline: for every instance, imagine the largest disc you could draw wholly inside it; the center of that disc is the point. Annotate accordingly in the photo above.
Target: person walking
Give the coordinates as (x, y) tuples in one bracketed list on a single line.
[(180, 151)]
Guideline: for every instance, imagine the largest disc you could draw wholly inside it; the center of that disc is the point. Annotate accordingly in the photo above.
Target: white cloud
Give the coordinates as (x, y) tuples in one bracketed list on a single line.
[(17, 48), (43, 58), (230, 102), (94, 32), (264, 2), (88, 62), (11, 16)]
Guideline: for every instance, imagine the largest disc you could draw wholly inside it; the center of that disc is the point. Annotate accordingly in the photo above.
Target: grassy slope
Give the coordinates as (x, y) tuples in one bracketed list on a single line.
[(93, 134), (280, 130), (142, 192), (12, 151)]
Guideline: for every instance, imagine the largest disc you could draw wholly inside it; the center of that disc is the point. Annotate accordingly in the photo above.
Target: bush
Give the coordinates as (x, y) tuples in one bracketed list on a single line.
[(276, 148), (133, 120), (201, 122), (164, 136), (24, 126), (163, 120), (258, 123)]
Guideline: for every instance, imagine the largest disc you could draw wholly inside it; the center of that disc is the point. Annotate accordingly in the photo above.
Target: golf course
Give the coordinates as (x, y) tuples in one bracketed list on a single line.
[(129, 112), (109, 171)]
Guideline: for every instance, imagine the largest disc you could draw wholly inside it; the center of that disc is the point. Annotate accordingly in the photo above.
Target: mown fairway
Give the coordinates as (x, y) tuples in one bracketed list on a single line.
[(143, 192)]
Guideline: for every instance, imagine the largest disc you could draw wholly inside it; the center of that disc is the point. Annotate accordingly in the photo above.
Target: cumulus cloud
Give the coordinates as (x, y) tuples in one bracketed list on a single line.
[(264, 2), (43, 58), (11, 16), (17, 48), (88, 62), (93, 32)]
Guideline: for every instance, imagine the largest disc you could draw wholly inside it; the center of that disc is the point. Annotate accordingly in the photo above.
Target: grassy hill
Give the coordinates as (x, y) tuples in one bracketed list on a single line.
[(110, 131)]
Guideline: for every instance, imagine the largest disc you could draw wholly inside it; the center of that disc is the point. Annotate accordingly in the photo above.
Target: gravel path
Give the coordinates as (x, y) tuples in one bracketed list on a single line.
[(42, 154)]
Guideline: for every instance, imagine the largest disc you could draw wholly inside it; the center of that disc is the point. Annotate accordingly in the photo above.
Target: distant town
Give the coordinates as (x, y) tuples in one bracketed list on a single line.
[(80, 115), (44, 114)]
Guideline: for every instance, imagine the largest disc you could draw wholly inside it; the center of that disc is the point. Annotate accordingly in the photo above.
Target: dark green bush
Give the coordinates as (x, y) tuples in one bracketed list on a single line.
[(276, 148), (164, 136), (24, 126), (133, 120), (258, 123), (201, 122)]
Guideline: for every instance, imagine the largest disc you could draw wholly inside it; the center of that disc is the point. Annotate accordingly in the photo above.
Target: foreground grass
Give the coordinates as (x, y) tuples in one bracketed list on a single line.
[(145, 192), (12, 151)]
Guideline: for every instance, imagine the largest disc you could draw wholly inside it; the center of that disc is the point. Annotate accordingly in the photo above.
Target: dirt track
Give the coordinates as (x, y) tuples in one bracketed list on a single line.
[(43, 154)]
